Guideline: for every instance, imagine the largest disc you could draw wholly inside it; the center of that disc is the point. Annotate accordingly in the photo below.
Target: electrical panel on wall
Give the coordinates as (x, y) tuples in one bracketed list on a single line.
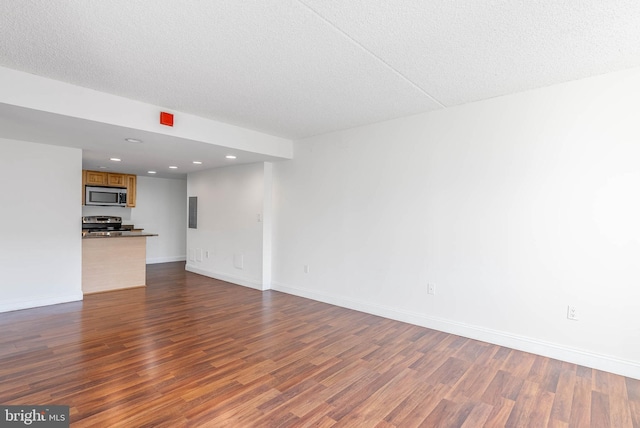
[(193, 212)]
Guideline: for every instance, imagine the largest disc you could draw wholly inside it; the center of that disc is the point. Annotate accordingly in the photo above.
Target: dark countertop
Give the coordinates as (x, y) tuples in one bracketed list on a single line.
[(116, 234)]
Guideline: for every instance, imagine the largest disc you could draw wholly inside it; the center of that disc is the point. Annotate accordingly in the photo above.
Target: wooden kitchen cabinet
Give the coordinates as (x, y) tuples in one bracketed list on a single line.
[(100, 255), (131, 184), (94, 178), (116, 180), (111, 179)]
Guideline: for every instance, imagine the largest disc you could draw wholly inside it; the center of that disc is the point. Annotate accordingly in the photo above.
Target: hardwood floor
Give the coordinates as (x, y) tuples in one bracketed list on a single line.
[(188, 350)]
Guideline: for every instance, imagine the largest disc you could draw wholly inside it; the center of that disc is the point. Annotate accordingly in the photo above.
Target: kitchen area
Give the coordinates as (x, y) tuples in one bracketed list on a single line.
[(114, 250)]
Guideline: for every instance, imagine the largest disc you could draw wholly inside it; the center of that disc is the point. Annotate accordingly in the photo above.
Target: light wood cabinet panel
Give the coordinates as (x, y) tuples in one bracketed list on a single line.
[(131, 183), (113, 263), (95, 178), (116, 180)]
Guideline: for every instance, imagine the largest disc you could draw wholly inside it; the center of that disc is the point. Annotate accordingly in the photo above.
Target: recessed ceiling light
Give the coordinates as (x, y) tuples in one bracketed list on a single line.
[(151, 172), (230, 157), (173, 167), (133, 140), (115, 159), (197, 162)]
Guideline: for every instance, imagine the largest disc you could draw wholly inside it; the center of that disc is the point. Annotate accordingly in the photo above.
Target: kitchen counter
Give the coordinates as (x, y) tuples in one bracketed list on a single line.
[(112, 264), (116, 234)]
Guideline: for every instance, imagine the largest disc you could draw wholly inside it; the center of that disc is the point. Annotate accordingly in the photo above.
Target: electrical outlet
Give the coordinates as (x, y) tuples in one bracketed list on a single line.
[(306, 268), (431, 289), (572, 313), (238, 261), (206, 254)]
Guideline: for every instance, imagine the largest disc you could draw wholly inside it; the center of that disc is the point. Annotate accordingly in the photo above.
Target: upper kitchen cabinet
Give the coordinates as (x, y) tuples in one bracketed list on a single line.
[(131, 181), (116, 180), (94, 178), (110, 179)]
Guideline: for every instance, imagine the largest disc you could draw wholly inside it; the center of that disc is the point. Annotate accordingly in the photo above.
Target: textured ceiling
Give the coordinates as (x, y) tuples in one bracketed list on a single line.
[(296, 68)]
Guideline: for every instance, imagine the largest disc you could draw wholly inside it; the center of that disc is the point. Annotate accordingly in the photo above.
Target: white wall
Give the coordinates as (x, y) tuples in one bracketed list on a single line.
[(230, 227), (515, 208), (161, 209), (40, 244)]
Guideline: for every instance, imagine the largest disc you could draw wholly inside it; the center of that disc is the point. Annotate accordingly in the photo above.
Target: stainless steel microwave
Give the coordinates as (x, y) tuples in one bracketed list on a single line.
[(105, 196)]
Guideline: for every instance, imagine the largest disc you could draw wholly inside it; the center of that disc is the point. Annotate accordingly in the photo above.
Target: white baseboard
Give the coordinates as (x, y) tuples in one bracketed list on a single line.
[(155, 260), (36, 303), (225, 277), (576, 356)]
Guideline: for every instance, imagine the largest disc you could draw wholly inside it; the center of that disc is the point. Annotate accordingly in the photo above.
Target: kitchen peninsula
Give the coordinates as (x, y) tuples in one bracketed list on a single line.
[(113, 260)]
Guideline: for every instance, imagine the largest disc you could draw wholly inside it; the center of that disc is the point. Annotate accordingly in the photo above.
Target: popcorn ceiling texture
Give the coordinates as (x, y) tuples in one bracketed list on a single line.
[(301, 68)]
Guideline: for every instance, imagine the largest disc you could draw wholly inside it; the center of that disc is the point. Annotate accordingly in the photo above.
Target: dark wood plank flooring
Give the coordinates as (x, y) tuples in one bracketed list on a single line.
[(188, 350)]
